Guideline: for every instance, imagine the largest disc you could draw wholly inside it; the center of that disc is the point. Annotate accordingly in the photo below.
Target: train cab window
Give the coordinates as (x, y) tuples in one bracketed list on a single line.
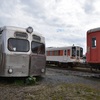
[(81, 52), (73, 51), (38, 48), (18, 45), (93, 42), (77, 52)]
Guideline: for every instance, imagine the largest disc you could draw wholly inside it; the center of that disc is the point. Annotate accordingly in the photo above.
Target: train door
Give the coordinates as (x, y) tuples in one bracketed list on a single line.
[(37, 59), (64, 54), (79, 52), (74, 52), (93, 49), (93, 46)]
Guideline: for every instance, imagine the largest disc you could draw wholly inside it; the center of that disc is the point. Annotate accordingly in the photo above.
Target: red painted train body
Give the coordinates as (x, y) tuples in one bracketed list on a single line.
[(93, 48)]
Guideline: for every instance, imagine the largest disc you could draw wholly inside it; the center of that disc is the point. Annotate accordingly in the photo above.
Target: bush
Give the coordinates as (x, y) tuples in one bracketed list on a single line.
[(30, 80)]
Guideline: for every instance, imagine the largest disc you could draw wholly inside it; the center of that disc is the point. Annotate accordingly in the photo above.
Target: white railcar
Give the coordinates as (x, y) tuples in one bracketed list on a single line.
[(22, 52), (68, 56)]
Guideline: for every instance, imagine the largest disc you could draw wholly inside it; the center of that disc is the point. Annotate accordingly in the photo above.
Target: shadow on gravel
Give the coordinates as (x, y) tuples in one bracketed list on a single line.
[(6, 80), (39, 78), (95, 78), (20, 80)]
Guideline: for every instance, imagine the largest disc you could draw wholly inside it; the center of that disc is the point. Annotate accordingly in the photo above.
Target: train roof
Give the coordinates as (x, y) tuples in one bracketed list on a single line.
[(12, 28), (59, 48), (18, 29), (93, 30)]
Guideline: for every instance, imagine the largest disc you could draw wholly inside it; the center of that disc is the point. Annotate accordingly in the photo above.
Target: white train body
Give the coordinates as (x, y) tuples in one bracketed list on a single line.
[(64, 55), (22, 53)]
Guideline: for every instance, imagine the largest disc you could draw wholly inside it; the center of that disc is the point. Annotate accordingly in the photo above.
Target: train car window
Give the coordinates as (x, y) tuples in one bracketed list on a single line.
[(47, 53), (0, 38), (81, 52), (51, 53), (59, 53), (73, 51), (68, 52), (18, 45), (38, 48), (77, 52), (65, 52), (93, 42), (1, 32), (56, 53)]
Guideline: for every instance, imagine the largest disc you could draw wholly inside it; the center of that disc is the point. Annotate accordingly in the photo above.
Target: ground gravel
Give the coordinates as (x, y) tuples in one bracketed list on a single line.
[(11, 91), (57, 76)]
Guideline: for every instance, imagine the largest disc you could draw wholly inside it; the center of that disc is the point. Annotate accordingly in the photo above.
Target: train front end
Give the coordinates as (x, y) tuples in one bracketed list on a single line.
[(22, 52), (37, 57), (15, 52)]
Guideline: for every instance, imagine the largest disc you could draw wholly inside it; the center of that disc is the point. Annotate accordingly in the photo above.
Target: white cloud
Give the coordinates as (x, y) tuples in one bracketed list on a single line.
[(62, 22)]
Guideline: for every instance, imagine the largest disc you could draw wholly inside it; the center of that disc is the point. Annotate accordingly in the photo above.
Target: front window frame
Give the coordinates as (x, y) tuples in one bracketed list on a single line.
[(38, 50), (12, 50)]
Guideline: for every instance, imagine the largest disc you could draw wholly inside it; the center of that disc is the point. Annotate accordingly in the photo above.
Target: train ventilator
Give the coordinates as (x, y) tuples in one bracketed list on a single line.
[(22, 52)]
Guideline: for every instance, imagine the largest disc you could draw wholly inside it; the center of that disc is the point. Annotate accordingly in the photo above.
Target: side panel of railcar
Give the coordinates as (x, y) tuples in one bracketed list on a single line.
[(93, 47), (37, 57)]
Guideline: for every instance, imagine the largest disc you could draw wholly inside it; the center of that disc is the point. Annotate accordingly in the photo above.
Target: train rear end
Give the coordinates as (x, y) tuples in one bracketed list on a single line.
[(65, 56), (93, 48), (76, 56)]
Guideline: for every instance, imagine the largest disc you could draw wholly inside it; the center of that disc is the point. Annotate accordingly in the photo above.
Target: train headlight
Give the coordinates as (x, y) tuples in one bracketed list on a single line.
[(10, 71), (29, 29), (42, 70)]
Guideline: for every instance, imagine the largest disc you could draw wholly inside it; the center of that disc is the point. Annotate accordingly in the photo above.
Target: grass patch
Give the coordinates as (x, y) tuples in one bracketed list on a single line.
[(64, 92)]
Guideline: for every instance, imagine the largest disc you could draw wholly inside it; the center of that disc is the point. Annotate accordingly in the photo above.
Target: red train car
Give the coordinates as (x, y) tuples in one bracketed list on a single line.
[(93, 48)]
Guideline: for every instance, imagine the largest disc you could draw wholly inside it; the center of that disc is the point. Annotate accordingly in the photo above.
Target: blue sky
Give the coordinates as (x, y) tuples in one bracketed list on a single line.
[(61, 22)]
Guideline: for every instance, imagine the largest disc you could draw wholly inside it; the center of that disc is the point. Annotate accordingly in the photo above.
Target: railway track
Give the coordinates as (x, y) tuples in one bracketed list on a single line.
[(79, 68)]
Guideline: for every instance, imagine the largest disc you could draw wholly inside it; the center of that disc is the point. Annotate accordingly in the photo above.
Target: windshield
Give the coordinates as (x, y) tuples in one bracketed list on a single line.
[(73, 51), (38, 48), (18, 45), (81, 52)]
